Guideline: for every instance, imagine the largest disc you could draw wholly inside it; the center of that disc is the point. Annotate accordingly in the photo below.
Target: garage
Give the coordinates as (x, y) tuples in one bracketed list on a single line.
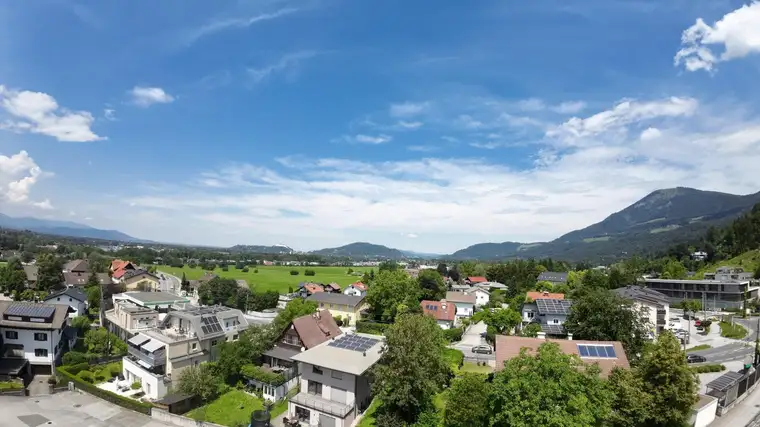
[(326, 421), (41, 370)]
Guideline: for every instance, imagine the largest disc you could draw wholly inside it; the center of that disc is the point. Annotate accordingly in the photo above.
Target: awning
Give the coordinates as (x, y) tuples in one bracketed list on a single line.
[(12, 366), (152, 346), (281, 353), (725, 381), (138, 340), (145, 365)]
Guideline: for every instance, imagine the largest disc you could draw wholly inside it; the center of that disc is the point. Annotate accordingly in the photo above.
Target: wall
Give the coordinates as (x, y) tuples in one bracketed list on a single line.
[(346, 382), (464, 309), (705, 415), (153, 385), (178, 420), (529, 308), (79, 307), (444, 324), (26, 338), (481, 298)]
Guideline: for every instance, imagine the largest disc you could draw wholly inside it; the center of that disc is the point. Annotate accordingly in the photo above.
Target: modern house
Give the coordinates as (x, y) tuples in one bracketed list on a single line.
[(725, 288), (333, 287), (183, 338), (482, 296), (464, 302), (357, 289), (194, 285), (335, 386), (548, 310), (654, 305), (126, 319), (474, 280), (306, 289), (442, 311), (140, 280), (553, 277), (32, 337), (304, 332), (72, 297), (348, 307), (492, 286), (607, 354)]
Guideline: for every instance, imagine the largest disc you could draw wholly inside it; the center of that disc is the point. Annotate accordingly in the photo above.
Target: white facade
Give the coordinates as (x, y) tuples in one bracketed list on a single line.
[(78, 308), (152, 384), (464, 309), (39, 347), (445, 324), (354, 291), (481, 297), (530, 314)]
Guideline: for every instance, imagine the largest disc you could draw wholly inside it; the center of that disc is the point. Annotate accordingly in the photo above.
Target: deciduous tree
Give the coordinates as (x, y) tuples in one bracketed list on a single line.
[(13, 277), (466, 406), (631, 404), (390, 290), (49, 273), (431, 284), (199, 381)]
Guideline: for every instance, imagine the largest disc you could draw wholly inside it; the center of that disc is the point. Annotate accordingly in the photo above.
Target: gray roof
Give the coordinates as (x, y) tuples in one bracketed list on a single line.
[(72, 292), (155, 297), (134, 273), (553, 306), (638, 293), (281, 353), (80, 265), (58, 320), (80, 279), (31, 272), (332, 298), (460, 297), (342, 359), (491, 285), (553, 329), (196, 316), (552, 276)]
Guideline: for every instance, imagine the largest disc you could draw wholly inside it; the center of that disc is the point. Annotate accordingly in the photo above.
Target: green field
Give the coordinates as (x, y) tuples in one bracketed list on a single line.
[(276, 278), (230, 409)]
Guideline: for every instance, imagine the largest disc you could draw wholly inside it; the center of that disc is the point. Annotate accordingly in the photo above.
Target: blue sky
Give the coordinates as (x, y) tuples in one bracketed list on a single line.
[(421, 125)]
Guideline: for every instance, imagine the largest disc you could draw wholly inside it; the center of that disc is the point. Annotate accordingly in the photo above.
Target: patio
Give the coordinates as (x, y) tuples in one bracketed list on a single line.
[(122, 388)]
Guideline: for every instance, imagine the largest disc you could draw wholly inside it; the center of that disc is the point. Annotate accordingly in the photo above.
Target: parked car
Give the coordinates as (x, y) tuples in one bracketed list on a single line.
[(695, 358), (482, 349)]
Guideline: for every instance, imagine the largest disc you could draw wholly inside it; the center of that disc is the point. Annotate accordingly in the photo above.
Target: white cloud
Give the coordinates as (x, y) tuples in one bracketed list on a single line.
[(410, 125), (408, 109), (650, 133), (570, 107), (422, 148), (368, 139), (109, 114), (146, 96), (286, 62), (233, 23), (411, 235), (45, 204), (531, 104), (18, 174), (486, 145), (738, 32), (37, 112)]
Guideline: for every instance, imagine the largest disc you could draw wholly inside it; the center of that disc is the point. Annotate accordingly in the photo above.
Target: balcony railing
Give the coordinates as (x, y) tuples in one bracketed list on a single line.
[(321, 404), (157, 358)]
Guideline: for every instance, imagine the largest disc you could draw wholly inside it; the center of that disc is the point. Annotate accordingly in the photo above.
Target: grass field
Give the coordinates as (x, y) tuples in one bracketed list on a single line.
[(230, 409), (276, 278), (749, 261), (699, 347), (735, 331)]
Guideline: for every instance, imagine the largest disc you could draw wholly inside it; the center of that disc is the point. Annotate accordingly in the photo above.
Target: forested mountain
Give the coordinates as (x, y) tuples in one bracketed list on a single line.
[(64, 228), (259, 249), (361, 250)]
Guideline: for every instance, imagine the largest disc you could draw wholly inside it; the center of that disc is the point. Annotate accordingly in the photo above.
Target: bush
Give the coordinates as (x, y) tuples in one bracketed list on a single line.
[(735, 331), (454, 357), (338, 320), (309, 273), (86, 376), (136, 385), (367, 327), (253, 372), (703, 369), (453, 334), (100, 376), (255, 270), (294, 272), (225, 268), (114, 368), (114, 398), (77, 368), (52, 380), (245, 270), (74, 358)]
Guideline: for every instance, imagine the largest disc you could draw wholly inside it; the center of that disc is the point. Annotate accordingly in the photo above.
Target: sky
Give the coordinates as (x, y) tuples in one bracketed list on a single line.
[(416, 124)]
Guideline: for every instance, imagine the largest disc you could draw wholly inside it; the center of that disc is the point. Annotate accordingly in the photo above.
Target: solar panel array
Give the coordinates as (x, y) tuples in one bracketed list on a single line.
[(553, 306), (595, 350), (30, 310), (553, 329), (210, 325), (432, 307), (354, 342)]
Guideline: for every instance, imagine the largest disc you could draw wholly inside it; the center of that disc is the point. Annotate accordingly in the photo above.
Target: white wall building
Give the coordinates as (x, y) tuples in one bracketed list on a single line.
[(654, 305), (482, 296), (72, 297), (464, 302)]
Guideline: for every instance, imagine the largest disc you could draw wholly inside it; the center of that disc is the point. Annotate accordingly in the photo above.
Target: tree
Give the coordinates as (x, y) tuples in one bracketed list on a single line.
[(465, 406), (199, 381), (531, 330), (631, 404), (13, 277), (296, 308), (667, 378), (92, 280), (82, 324), (691, 306), (100, 341), (454, 273), (412, 368), (431, 284), (93, 297), (501, 320), (49, 273), (757, 273), (674, 270), (389, 291), (548, 389), (184, 284), (600, 315), (595, 279), (219, 291), (442, 269), (253, 342)]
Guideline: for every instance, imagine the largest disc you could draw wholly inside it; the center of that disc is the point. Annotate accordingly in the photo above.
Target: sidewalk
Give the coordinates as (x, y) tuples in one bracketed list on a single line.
[(741, 414)]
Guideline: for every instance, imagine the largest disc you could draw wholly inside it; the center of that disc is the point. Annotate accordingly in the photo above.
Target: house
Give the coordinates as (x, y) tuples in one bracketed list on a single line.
[(465, 303), (133, 312), (699, 256), (724, 288), (72, 297), (33, 337), (140, 280), (332, 287), (77, 266), (308, 288), (118, 264), (461, 288), (357, 289), (348, 307), (553, 277), (335, 387), (492, 286), (473, 280), (195, 285), (442, 311), (536, 295), (80, 279), (31, 275), (654, 305), (157, 356), (283, 300), (607, 354), (304, 332), (548, 310), (482, 296)]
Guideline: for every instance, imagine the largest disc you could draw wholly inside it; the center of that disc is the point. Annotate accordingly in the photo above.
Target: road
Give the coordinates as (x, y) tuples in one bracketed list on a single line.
[(169, 284), (470, 339), (726, 353)]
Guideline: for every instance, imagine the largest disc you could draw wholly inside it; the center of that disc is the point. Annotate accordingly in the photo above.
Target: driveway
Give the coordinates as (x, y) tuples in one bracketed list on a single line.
[(470, 339), (39, 386)]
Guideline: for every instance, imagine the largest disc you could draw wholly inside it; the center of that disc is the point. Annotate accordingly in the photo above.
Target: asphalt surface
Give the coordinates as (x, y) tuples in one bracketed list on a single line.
[(470, 339), (726, 353), (170, 283)]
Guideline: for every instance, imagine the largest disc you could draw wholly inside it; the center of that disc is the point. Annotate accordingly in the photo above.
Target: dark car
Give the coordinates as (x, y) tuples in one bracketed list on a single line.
[(695, 358), (482, 349)]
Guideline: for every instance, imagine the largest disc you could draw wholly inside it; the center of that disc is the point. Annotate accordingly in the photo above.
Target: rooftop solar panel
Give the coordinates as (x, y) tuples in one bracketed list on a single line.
[(597, 351), (354, 342), (553, 306), (553, 329), (30, 310)]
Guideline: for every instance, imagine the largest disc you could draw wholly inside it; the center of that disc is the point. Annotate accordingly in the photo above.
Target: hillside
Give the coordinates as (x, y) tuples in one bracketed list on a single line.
[(749, 261), (490, 250), (259, 249), (361, 250), (65, 228)]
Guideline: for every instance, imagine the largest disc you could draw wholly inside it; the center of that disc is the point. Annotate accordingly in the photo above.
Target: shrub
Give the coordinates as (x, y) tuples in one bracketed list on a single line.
[(74, 358), (125, 402), (290, 289), (245, 270), (453, 334), (703, 369), (294, 272), (454, 357), (100, 376), (253, 372), (136, 385), (367, 327), (255, 270), (52, 380), (77, 368), (225, 268), (309, 273), (338, 320), (86, 376)]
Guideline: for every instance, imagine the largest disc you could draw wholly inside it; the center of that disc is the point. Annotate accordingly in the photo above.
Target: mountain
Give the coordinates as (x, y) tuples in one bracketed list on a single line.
[(361, 250), (65, 228), (659, 220), (259, 249)]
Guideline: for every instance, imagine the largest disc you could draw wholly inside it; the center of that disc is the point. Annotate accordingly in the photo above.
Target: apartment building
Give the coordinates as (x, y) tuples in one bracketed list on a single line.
[(348, 307), (725, 288), (32, 337), (182, 338), (133, 312), (335, 386), (654, 305)]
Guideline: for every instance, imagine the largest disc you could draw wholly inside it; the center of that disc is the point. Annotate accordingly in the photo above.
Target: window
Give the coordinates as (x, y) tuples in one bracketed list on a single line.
[(555, 321), (11, 335), (40, 352), (194, 346), (40, 336), (530, 314), (315, 388), (337, 375), (316, 370), (213, 343), (58, 299), (235, 337)]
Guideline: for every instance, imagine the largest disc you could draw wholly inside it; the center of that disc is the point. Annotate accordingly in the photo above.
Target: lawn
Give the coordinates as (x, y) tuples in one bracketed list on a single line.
[(699, 347), (282, 406), (276, 278), (735, 331), (368, 420), (230, 409), (749, 261), (474, 368)]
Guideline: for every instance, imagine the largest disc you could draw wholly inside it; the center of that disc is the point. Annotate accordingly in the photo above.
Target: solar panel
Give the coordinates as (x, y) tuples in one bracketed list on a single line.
[(597, 351), (354, 342), (210, 325), (553, 306), (583, 350), (553, 329), (30, 310)]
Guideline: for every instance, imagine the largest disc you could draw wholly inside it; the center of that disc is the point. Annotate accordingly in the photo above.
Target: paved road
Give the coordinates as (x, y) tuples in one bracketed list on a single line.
[(736, 351), (170, 283), (470, 339)]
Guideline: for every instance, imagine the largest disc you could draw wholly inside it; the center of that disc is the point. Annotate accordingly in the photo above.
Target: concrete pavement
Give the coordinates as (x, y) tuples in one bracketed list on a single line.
[(470, 339)]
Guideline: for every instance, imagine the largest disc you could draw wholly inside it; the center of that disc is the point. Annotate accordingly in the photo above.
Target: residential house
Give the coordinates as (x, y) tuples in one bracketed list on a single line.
[(118, 264), (77, 266), (80, 279), (283, 300), (335, 387), (183, 338), (195, 285), (332, 287), (308, 288), (461, 288), (699, 256), (553, 277), (33, 337), (607, 354), (133, 312), (492, 286), (482, 296), (442, 311), (303, 333), (725, 288), (140, 280), (31, 275), (357, 289), (474, 280), (72, 297), (548, 310), (348, 307), (654, 305), (464, 302)]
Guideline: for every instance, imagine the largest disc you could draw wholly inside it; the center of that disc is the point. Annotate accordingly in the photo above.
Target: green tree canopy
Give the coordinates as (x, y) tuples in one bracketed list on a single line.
[(631, 405), (49, 273), (442, 269), (431, 284), (389, 291), (466, 406), (674, 270), (502, 320), (219, 291), (199, 381), (12, 276)]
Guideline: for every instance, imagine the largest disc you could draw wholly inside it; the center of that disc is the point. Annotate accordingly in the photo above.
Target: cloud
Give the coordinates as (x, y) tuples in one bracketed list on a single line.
[(411, 235), (422, 148), (37, 112), (650, 133), (570, 107), (219, 25), (109, 114), (408, 109), (146, 96), (531, 104), (18, 174), (536, 105), (368, 139), (45, 204), (738, 32), (409, 125), (286, 62)]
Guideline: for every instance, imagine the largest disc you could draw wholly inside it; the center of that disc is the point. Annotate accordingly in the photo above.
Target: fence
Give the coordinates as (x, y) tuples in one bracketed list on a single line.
[(732, 388), (104, 394)]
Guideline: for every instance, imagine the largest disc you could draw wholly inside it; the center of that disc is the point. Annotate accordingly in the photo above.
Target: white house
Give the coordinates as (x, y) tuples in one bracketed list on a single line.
[(72, 297), (655, 306), (33, 336), (482, 296), (357, 289), (548, 310), (464, 302)]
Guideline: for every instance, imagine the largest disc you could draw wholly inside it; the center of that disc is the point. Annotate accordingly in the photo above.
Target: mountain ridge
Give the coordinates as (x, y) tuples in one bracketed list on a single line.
[(65, 228)]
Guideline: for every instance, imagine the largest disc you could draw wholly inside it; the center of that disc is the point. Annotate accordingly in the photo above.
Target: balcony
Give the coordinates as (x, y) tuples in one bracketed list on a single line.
[(321, 404), (157, 358)]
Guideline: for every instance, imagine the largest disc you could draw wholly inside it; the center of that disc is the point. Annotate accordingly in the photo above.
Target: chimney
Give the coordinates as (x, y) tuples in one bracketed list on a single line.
[(443, 304), (546, 293), (569, 336), (541, 335)]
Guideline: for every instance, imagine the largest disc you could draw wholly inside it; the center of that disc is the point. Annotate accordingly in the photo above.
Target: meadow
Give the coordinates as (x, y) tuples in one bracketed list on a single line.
[(272, 277)]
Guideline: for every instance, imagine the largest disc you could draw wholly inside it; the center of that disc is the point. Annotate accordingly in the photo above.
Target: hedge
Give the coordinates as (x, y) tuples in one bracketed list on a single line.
[(253, 372), (114, 398), (703, 369), (453, 334), (374, 328)]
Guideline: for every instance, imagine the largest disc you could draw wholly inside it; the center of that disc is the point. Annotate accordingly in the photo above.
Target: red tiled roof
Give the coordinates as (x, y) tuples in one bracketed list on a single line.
[(544, 295), (360, 286), (314, 329), (118, 274), (313, 288), (477, 279), (440, 310), (334, 286), (117, 264), (508, 347)]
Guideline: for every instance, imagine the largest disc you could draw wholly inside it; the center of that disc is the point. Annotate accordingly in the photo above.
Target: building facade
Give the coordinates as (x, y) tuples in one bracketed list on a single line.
[(32, 336), (725, 288), (654, 306), (348, 307), (73, 298)]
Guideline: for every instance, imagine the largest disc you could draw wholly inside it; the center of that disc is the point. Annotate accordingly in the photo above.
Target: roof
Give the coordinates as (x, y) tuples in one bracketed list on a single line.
[(147, 298), (171, 399), (77, 265), (359, 285), (552, 276), (460, 297), (554, 306), (477, 279), (314, 329), (725, 381), (553, 329), (281, 353), (492, 285), (119, 273), (59, 315), (313, 288), (437, 310), (131, 274), (508, 347), (72, 292), (80, 279), (242, 283), (330, 298), (31, 272), (334, 286), (118, 264), (201, 317), (703, 401), (543, 295), (334, 355), (638, 293)]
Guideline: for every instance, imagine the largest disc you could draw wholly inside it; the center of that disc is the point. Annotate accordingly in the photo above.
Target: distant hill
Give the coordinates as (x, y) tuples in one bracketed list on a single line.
[(65, 228), (259, 249), (422, 255), (489, 251), (361, 250)]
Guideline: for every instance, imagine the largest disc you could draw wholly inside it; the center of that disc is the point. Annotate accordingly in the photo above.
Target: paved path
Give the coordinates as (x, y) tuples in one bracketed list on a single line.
[(69, 409), (470, 339)]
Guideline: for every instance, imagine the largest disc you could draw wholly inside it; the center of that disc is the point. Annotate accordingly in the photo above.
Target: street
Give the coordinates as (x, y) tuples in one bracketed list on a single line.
[(169, 283), (470, 339)]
